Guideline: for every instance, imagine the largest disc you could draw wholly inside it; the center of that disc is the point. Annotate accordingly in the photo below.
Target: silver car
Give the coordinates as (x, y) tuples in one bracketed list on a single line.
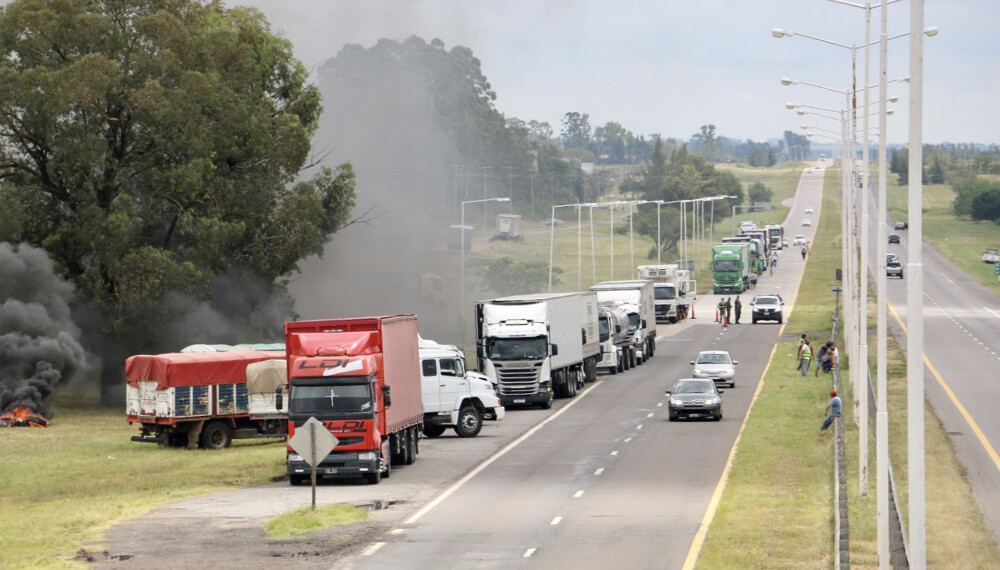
[(717, 365)]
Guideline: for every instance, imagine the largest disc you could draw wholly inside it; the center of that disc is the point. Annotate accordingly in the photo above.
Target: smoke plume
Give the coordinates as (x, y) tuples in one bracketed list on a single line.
[(39, 343)]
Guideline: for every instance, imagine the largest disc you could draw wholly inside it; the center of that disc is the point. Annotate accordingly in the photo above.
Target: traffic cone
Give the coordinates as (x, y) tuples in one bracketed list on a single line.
[(716, 315), (725, 321), (692, 310)]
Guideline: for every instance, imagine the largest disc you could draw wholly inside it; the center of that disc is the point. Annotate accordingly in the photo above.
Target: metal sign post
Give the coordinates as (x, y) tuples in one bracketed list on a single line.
[(313, 442)]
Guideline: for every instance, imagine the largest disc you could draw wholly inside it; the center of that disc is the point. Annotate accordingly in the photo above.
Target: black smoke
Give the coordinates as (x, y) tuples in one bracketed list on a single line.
[(39, 342)]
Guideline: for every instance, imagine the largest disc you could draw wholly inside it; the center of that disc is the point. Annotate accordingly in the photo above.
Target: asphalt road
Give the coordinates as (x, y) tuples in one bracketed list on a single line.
[(962, 360)]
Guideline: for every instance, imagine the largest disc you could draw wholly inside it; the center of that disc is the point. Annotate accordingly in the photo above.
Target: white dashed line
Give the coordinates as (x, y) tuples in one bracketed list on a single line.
[(638, 426), (659, 405), (628, 439), (599, 471), (556, 521), (578, 494), (649, 415), (614, 453), (528, 553)]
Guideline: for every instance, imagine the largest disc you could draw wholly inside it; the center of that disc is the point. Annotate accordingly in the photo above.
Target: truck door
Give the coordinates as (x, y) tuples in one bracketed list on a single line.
[(451, 381), (430, 385)]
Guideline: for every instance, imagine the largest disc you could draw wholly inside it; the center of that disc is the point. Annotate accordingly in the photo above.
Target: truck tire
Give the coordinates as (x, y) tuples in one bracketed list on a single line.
[(470, 422), (433, 431), (570, 384), (216, 435), (626, 358), (547, 405), (590, 370), (632, 358), (376, 477), (405, 448)]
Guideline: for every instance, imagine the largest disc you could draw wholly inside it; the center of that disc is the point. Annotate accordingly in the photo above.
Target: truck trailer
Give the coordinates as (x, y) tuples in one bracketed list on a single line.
[(201, 399), (536, 347), (637, 295), (360, 377)]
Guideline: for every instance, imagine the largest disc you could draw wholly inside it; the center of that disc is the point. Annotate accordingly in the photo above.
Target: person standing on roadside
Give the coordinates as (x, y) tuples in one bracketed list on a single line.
[(738, 306), (805, 357), (729, 309), (833, 410)]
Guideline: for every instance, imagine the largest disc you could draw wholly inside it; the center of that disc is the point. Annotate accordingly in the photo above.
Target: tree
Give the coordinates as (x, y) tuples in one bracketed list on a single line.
[(986, 205), (152, 148), (505, 276), (576, 130), (758, 192)]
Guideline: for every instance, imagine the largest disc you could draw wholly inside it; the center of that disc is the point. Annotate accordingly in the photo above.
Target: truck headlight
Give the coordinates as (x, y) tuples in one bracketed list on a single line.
[(366, 456), (294, 457)]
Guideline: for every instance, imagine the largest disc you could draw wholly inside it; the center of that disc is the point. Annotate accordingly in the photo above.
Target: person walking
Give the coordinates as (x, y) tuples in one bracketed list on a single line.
[(833, 410), (738, 306), (805, 357), (803, 253)]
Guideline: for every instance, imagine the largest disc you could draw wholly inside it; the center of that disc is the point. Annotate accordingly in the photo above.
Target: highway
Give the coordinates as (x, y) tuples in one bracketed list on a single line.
[(605, 480), (962, 360)]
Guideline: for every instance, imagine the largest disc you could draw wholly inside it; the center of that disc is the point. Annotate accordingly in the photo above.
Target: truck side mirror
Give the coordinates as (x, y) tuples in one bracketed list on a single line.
[(278, 401), (386, 396), (618, 329), (555, 349)]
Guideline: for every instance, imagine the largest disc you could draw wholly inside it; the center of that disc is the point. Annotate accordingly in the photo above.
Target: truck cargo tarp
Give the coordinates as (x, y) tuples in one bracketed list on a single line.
[(193, 368), (264, 376)]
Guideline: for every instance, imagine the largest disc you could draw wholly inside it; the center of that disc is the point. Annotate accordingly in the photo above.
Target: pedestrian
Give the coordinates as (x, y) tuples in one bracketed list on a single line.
[(722, 311), (805, 357), (738, 306), (803, 253), (833, 409), (825, 358), (729, 309)]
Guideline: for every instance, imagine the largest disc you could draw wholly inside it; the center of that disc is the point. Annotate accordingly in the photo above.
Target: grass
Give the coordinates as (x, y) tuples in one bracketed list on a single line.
[(776, 511), (64, 485), (299, 523)]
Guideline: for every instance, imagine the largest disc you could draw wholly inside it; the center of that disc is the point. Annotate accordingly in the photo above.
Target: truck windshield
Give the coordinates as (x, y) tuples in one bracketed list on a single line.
[(727, 265), (664, 293), (633, 321), (517, 348), (604, 329), (327, 400)]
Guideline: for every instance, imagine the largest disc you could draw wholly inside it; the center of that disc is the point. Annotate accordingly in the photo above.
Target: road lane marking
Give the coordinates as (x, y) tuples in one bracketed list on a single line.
[(599, 471), (458, 484), (373, 549), (659, 405), (628, 439), (397, 531), (614, 453), (638, 426), (578, 494), (649, 415), (556, 521), (528, 553), (954, 399)]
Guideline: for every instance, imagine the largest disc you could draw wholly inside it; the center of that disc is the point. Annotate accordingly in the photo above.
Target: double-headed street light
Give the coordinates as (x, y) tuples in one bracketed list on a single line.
[(461, 270)]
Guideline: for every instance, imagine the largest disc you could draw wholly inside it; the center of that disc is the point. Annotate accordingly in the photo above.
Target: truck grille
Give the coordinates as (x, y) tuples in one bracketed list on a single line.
[(518, 379)]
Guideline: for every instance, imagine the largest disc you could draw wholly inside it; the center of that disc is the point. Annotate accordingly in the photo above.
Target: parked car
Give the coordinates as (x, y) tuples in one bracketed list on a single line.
[(691, 397), (799, 240), (894, 269), (716, 365), (893, 238), (766, 308), (807, 223), (991, 256), (900, 226)]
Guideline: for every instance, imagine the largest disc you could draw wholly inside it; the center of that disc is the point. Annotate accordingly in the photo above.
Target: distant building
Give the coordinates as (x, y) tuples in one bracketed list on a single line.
[(587, 167)]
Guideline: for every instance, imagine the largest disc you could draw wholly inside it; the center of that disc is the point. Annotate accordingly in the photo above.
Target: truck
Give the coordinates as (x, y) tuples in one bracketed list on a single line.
[(201, 399), (536, 347), (454, 396), (731, 268), (615, 337), (671, 286), (775, 236), (637, 295), (360, 377)]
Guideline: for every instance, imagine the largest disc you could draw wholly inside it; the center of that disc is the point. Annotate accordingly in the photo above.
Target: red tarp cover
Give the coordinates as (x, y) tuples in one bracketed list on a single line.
[(193, 368)]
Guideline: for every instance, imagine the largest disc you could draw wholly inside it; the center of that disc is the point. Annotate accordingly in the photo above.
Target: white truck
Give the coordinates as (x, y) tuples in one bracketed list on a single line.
[(673, 290), (536, 347), (454, 397), (615, 337), (637, 295)]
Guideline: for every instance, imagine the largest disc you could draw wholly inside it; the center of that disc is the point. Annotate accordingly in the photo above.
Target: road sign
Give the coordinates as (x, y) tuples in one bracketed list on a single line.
[(313, 442)]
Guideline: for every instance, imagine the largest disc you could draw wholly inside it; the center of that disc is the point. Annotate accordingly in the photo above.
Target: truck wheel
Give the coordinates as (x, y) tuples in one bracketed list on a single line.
[(632, 358), (411, 448), (216, 435), (296, 480), (469, 422), (652, 347), (374, 478), (405, 449), (590, 370), (546, 405), (570, 384), (433, 431)]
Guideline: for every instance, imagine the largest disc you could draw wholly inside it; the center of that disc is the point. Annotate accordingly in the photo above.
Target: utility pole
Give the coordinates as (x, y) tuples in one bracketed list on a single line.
[(484, 169)]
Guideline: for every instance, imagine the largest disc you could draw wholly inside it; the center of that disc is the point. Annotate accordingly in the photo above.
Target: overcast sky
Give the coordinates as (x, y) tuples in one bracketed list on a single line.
[(670, 66)]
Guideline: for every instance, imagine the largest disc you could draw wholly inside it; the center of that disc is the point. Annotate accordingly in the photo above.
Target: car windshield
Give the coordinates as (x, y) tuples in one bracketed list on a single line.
[(766, 301), (713, 358), (707, 387)]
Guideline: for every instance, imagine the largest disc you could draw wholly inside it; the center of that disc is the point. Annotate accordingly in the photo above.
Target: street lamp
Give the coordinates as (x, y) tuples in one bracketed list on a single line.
[(461, 270)]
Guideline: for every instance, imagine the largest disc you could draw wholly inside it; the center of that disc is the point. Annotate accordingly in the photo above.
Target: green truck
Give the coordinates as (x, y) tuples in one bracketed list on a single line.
[(731, 268)]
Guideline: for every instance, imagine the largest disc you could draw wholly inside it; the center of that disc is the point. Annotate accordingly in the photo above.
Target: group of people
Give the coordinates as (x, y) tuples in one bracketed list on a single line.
[(726, 309), (826, 359)]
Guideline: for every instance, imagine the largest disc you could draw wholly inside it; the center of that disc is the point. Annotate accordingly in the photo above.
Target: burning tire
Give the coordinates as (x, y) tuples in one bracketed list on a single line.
[(216, 435)]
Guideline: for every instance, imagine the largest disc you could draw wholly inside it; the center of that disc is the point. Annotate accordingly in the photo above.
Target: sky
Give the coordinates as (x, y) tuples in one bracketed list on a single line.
[(670, 66)]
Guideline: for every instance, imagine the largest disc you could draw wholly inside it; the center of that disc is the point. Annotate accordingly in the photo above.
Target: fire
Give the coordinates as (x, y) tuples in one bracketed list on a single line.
[(23, 416)]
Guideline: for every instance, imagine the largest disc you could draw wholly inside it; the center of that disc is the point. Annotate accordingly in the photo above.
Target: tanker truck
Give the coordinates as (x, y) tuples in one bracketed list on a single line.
[(637, 296)]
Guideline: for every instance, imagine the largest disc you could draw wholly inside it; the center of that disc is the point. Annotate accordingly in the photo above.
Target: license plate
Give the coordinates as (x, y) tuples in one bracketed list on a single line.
[(519, 400), (330, 471)]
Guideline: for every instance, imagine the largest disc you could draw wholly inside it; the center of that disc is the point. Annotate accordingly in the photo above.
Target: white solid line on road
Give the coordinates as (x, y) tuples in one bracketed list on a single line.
[(556, 521), (578, 494), (373, 549), (614, 453), (599, 471), (528, 553), (458, 484)]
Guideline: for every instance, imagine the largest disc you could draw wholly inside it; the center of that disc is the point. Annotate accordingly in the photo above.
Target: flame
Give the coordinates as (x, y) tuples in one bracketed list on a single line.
[(23, 416)]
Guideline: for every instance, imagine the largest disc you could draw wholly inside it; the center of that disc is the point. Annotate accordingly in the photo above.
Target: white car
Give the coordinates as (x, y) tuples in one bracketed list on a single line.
[(717, 365), (809, 210), (767, 308), (807, 223), (798, 240)]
